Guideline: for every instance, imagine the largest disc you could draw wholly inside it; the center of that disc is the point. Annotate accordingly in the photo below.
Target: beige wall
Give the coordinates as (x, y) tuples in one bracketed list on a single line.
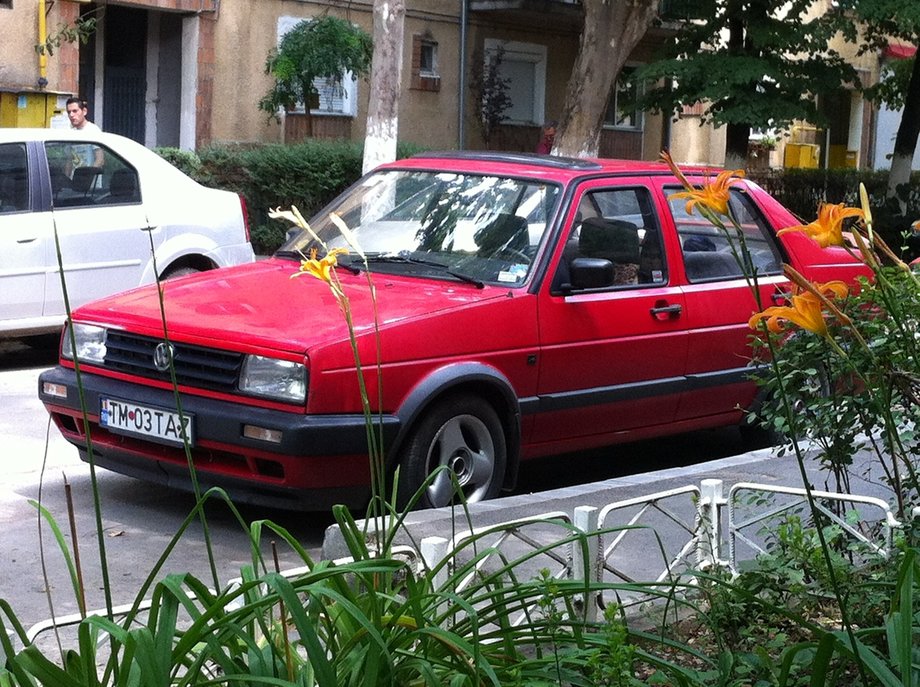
[(247, 31), (18, 61), (19, 34), (695, 144), (244, 33)]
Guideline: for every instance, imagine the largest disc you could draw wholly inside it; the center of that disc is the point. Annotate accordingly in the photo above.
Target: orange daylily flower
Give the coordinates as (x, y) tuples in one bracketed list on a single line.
[(321, 269), (806, 309), (714, 195), (827, 230)]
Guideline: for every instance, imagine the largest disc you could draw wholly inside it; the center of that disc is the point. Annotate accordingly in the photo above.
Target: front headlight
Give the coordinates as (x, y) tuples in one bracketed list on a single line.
[(90, 343), (273, 378)]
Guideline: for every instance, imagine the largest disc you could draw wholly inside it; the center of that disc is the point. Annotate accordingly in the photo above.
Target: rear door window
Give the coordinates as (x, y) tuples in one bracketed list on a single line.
[(712, 254), (89, 175)]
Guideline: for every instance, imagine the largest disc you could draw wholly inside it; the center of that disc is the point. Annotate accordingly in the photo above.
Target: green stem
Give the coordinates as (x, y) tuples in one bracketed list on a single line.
[(816, 514), (193, 472), (90, 456)]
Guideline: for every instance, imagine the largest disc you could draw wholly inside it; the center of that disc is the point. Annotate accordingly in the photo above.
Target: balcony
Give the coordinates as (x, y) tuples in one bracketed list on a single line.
[(544, 14)]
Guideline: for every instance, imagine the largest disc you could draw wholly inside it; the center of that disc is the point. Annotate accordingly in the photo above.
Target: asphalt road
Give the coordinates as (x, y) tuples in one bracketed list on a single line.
[(139, 520)]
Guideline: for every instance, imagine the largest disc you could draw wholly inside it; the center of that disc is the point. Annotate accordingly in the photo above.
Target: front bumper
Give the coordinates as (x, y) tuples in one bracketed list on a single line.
[(321, 460)]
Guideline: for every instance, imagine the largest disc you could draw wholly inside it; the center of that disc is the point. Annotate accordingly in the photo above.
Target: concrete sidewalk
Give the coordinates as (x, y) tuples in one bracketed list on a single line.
[(760, 466)]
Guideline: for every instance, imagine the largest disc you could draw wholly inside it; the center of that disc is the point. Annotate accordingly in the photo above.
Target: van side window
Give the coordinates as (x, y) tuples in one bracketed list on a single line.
[(711, 254), (617, 226)]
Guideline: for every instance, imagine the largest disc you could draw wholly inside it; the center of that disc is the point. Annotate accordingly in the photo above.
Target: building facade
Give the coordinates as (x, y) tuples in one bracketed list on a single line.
[(189, 73)]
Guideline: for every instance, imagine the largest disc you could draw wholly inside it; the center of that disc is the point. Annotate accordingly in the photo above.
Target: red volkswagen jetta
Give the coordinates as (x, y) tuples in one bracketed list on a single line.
[(525, 306)]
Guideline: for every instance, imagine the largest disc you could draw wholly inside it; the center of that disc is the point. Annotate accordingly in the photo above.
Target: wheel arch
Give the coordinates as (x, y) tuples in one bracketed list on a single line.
[(473, 378), (194, 261)]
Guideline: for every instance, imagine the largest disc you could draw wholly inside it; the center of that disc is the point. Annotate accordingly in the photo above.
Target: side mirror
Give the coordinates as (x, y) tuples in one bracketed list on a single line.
[(591, 273)]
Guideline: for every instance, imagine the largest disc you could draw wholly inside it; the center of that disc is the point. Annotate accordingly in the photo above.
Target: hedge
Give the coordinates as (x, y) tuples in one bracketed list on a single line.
[(802, 190), (308, 175)]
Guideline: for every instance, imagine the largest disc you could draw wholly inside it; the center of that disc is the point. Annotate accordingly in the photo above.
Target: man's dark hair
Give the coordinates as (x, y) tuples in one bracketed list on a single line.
[(78, 101)]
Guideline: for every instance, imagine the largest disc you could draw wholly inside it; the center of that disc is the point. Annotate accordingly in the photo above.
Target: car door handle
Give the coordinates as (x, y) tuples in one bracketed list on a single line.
[(780, 297), (662, 312), (28, 240)]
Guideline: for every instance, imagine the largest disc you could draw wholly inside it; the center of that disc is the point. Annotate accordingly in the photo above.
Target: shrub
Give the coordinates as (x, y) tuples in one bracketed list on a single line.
[(308, 175), (186, 161)]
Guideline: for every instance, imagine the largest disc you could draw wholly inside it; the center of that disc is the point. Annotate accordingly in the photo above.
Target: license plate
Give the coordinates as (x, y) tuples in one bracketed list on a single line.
[(157, 424)]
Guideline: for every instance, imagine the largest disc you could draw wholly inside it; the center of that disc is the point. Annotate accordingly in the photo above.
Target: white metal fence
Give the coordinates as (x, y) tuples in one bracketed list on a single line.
[(656, 538)]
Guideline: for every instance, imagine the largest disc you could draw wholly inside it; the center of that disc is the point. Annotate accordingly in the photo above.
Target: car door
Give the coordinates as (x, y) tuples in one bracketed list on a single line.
[(613, 353), (24, 232), (719, 301), (100, 222)]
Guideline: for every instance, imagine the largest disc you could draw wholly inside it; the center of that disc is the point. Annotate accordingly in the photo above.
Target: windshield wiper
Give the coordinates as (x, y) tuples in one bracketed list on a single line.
[(404, 258)]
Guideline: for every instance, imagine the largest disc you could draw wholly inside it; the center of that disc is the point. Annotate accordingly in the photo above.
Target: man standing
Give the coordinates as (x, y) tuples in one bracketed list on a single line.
[(76, 113), (83, 155), (547, 138)]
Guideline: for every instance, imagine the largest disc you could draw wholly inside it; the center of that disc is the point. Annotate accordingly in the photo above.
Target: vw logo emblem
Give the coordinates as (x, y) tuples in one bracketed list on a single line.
[(162, 354)]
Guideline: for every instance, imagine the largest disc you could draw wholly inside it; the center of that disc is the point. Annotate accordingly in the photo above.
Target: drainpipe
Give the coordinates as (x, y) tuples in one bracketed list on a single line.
[(42, 37), (461, 116)]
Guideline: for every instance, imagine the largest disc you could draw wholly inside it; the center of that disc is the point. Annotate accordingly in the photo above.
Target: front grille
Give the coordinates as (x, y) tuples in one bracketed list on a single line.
[(196, 366)]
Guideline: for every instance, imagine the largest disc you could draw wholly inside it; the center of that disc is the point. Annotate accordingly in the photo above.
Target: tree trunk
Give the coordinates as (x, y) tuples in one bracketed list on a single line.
[(386, 78), (905, 143), (612, 29), (736, 145), (736, 135)]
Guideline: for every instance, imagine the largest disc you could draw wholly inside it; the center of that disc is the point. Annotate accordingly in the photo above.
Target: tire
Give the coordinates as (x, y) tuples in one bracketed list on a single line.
[(176, 272), (463, 433), (756, 436)]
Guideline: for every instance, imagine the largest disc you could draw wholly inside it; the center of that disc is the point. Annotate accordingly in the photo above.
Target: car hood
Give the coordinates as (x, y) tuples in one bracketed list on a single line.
[(263, 305)]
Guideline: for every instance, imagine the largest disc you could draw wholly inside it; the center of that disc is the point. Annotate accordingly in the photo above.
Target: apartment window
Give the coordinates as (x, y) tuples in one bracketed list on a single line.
[(425, 75), (621, 112), (524, 66), (6, 4), (337, 96)]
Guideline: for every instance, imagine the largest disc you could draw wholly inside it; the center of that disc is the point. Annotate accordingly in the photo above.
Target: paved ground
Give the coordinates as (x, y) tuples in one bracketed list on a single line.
[(646, 554)]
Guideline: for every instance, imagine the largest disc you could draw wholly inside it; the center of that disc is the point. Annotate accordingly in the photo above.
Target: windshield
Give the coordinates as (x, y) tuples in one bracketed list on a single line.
[(455, 225)]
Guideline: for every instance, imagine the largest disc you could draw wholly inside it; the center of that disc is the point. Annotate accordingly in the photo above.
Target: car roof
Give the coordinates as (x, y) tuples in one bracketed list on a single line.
[(534, 165), (15, 135)]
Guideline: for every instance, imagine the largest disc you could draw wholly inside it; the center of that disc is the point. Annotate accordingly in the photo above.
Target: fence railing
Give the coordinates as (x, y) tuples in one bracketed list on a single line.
[(656, 538)]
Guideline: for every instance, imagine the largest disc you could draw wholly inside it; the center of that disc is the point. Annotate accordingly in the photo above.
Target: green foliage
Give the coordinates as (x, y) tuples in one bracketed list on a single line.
[(869, 397), (490, 89), (186, 161), (766, 74), (372, 621), (79, 32), (894, 83), (881, 21), (315, 48)]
